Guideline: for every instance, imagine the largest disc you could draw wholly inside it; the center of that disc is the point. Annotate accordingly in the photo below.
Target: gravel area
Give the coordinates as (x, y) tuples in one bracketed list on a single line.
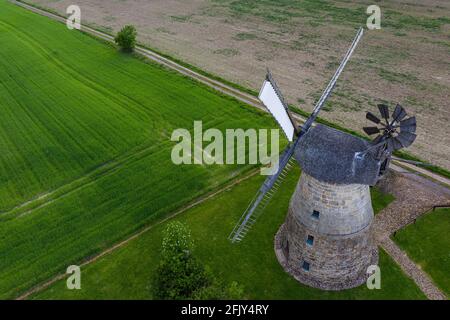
[(415, 195)]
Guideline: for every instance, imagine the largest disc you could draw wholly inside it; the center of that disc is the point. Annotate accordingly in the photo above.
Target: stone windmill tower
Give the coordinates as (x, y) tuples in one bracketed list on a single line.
[(326, 241)]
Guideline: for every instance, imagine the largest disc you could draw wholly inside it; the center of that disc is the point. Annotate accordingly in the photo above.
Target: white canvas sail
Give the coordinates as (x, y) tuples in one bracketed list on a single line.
[(272, 101)]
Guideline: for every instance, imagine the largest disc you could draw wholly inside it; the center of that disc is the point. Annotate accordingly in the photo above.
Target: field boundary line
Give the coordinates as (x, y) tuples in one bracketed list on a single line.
[(215, 84), (120, 244)]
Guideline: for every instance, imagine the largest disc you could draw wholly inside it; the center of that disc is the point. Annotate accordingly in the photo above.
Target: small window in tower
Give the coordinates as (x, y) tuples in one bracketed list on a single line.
[(316, 214), (305, 266), (310, 240)]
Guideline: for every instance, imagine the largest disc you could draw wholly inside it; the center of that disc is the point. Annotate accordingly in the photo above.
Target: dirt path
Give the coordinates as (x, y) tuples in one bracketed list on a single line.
[(414, 196), (400, 166), (422, 279)]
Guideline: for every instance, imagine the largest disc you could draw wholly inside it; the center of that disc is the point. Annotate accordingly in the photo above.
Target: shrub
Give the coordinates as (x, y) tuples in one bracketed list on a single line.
[(181, 276), (126, 38)]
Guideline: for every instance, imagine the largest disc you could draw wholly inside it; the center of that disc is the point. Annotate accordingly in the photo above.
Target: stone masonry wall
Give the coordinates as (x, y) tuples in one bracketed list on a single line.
[(342, 245)]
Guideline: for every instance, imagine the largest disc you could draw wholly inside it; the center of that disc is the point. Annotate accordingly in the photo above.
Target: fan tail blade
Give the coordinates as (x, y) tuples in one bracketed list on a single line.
[(262, 197), (406, 138), (370, 116), (396, 112), (397, 143), (371, 130), (408, 125), (399, 113), (384, 111)]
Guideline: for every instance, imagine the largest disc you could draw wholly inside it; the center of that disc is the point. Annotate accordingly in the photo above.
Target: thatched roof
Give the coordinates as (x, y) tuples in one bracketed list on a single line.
[(329, 155)]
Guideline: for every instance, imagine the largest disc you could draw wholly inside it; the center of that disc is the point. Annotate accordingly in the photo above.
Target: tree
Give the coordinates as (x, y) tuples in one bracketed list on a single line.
[(181, 276), (126, 38)]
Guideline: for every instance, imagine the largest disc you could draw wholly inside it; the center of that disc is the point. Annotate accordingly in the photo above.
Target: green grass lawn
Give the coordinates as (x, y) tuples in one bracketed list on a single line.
[(380, 200), (79, 117), (126, 272), (427, 242)]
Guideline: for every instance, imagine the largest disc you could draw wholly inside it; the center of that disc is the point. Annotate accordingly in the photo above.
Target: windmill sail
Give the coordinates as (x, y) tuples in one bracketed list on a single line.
[(263, 196), (274, 101), (326, 93)]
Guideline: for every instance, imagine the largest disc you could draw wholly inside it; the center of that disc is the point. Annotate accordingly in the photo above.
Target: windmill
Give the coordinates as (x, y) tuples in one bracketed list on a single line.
[(326, 240)]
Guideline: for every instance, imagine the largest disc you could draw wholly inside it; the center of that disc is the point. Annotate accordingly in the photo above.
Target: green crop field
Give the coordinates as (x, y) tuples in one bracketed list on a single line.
[(126, 273), (428, 244), (85, 145)]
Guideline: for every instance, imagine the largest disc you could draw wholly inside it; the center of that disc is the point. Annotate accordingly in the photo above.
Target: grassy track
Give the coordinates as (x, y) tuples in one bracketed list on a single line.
[(428, 244), (75, 115), (125, 273)]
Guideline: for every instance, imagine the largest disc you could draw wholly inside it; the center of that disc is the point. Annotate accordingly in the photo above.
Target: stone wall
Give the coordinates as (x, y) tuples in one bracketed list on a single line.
[(342, 245)]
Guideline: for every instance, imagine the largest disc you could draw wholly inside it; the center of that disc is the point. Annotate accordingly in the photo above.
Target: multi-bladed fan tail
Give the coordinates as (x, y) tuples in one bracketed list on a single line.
[(397, 133)]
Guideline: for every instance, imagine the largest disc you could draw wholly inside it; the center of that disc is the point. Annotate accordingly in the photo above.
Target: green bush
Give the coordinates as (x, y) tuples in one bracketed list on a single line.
[(126, 38), (181, 276)]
